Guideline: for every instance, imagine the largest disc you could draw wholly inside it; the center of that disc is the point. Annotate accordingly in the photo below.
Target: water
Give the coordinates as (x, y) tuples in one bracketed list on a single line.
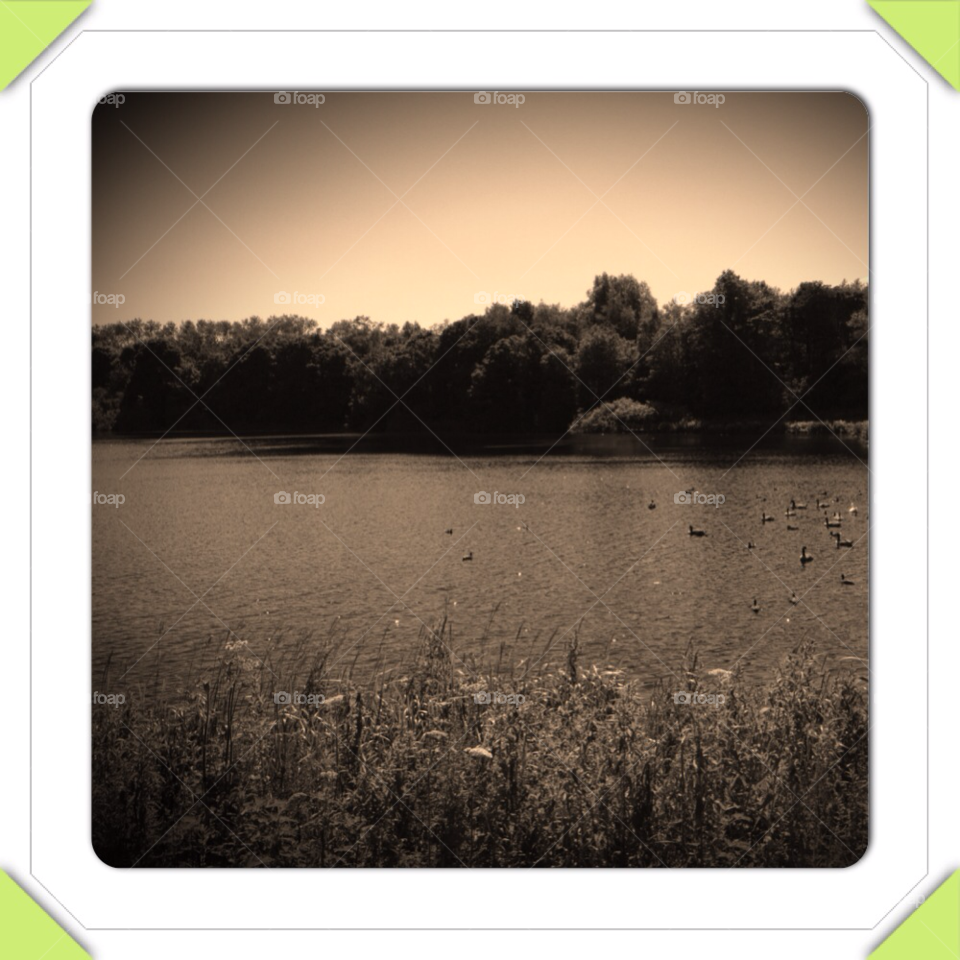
[(199, 547)]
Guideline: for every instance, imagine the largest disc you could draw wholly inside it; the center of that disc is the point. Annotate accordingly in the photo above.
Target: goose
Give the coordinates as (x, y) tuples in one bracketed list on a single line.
[(841, 543), (756, 606), (805, 557), (696, 533), (790, 526), (790, 513), (831, 523), (794, 599), (652, 505), (797, 506), (822, 504), (845, 581), (853, 509), (764, 518), (449, 531), (467, 556), (750, 545)]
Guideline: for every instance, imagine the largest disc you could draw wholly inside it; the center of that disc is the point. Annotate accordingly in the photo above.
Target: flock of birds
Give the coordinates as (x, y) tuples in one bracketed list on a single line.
[(831, 523)]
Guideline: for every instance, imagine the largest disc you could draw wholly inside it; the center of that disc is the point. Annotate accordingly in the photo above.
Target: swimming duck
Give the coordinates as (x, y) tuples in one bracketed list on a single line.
[(831, 523), (805, 557), (467, 556), (853, 509), (751, 545), (794, 599), (652, 505), (756, 606), (797, 506), (790, 526), (841, 543), (696, 533), (845, 581), (764, 518), (449, 531)]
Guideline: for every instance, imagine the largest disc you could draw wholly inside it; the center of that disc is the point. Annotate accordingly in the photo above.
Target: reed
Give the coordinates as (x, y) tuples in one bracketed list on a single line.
[(579, 766)]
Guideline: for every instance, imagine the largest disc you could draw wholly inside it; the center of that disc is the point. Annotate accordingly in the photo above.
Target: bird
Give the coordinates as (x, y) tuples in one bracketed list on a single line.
[(853, 509), (790, 513), (845, 581), (467, 556), (652, 505), (841, 543), (751, 545), (797, 506), (831, 523), (449, 531), (822, 504), (756, 606), (794, 599), (764, 518), (790, 526), (696, 533), (805, 557)]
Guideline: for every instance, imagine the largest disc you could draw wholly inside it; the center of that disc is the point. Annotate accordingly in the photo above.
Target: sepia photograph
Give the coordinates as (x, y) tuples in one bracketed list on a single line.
[(480, 478)]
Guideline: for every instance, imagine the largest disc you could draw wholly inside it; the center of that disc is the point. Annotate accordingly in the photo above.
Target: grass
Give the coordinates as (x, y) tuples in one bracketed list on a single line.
[(410, 770)]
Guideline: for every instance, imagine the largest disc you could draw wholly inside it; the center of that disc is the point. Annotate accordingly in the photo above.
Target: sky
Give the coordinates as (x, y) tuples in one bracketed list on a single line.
[(411, 206)]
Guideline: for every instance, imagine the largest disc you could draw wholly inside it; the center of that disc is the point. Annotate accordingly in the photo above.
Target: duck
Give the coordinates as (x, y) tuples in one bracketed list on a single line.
[(756, 606), (805, 557), (794, 599), (696, 533), (797, 506), (841, 543), (652, 505), (790, 526), (467, 556), (764, 518), (845, 581)]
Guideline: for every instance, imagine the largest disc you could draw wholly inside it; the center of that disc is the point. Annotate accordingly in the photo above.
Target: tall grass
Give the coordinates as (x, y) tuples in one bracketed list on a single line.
[(410, 770)]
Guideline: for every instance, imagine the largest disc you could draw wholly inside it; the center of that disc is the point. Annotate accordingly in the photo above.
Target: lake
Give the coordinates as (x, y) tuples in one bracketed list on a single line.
[(582, 553)]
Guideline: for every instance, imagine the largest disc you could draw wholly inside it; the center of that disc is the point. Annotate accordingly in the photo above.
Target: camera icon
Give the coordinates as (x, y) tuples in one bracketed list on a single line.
[(283, 698), (281, 297), (482, 497), (682, 298), (482, 697), (683, 698), (282, 97), (282, 497), (682, 97), (683, 497), (482, 97), (481, 297)]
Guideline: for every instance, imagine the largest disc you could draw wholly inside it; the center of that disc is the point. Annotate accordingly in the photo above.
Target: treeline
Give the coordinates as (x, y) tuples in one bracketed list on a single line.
[(741, 351)]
